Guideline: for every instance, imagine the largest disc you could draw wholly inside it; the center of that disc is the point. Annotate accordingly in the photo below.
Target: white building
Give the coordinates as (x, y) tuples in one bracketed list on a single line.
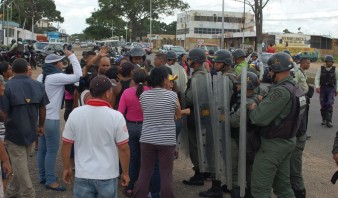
[(206, 26)]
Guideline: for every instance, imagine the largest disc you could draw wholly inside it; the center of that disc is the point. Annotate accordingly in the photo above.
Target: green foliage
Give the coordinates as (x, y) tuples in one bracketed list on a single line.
[(136, 13), (97, 32), (23, 11), (286, 31)]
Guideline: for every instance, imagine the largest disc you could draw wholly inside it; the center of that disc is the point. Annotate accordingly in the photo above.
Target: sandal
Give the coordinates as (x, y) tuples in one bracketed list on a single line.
[(128, 192)]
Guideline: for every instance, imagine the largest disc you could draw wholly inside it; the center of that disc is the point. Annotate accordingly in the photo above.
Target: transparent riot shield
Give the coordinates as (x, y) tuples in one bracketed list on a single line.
[(242, 134), (183, 138), (222, 93), (204, 108)]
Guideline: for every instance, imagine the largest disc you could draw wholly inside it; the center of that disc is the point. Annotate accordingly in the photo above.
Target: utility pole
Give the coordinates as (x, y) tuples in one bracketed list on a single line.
[(151, 18), (222, 37), (243, 24)]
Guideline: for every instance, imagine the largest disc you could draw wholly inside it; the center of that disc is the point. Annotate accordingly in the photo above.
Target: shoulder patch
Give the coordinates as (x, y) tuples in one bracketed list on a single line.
[(275, 95)]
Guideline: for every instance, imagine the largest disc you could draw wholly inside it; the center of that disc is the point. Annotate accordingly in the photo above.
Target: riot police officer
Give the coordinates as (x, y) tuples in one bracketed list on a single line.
[(326, 86), (196, 58), (137, 56), (240, 62), (296, 176), (222, 63), (178, 70), (277, 116)]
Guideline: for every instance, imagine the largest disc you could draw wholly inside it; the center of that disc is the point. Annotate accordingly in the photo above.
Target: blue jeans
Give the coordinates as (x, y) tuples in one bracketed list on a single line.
[(134, 131), (48, 148), (92, 188)]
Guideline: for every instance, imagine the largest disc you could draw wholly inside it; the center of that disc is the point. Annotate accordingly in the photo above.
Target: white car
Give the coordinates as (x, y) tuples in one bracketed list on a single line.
[(83, 44), (165, 48)]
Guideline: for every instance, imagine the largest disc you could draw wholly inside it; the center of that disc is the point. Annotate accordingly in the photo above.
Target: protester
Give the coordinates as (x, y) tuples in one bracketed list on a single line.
[(23, 103), (55, 81), (6, 70), (158, 138), (124, 83), (96, 153), (6, 167), (130, 107)]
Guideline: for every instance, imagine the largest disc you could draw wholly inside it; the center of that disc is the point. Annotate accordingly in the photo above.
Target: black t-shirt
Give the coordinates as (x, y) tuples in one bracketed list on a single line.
[(22, 99)]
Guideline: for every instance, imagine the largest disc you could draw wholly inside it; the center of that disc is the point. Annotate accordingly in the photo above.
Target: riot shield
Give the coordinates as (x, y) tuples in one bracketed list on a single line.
[(222, 94), (183, 138), (242, 135), (204, 108)]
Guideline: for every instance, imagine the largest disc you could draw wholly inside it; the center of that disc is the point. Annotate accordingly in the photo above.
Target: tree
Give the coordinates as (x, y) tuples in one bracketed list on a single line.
[(136, 12), (25, 10), (286, 31), (257, 7)]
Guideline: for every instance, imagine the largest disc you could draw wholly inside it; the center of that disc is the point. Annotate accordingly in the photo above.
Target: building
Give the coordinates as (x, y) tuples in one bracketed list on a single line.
[(10, 30), (43, 23), (198, 26)]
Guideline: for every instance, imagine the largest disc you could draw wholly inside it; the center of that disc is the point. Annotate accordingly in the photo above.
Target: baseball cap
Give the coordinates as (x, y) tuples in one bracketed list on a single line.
[(99, 85), (53, 58), (172, 77)]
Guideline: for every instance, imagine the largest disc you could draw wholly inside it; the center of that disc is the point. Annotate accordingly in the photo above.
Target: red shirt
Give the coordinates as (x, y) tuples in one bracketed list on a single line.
[(271, 50)]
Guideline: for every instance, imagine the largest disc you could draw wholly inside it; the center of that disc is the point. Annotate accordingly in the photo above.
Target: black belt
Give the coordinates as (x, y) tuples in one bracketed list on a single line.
[(134, 122)]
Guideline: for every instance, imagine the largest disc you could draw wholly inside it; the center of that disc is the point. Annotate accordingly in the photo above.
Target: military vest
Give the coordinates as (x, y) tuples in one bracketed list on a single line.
[(290, 124), (328, 78)]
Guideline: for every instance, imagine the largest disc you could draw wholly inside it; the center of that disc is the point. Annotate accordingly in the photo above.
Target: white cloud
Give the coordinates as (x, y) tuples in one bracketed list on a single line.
[(278, 14)]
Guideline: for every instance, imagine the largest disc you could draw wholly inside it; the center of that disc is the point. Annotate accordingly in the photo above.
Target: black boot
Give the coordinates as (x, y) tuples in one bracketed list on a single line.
[(329, 119), (196, 180), (323, 113), (214, 191), (248, 193), (300, 193), (235, 192)]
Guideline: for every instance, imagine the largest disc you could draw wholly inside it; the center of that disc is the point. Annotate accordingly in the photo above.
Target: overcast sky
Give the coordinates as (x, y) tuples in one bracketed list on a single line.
[(318, 17)]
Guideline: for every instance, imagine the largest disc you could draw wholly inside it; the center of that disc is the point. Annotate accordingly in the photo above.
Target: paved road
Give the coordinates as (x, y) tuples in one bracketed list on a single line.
[(318, 163)]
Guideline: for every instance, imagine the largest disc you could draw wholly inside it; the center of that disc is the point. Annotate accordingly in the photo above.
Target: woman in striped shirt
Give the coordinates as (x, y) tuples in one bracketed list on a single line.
[(158, 138)]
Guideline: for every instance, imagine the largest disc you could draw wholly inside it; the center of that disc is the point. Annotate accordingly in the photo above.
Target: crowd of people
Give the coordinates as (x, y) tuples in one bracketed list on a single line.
[(123, 122)]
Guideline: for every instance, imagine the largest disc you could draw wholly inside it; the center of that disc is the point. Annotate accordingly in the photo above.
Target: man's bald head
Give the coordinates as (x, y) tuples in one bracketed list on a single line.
[(104, 65)]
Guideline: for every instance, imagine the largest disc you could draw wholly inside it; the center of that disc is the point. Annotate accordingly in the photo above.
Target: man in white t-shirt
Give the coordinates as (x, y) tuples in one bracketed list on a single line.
[(100, 139)]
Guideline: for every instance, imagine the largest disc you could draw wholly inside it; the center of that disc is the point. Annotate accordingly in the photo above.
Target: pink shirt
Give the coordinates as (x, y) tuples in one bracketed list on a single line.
[(130, 105), (68, 96)]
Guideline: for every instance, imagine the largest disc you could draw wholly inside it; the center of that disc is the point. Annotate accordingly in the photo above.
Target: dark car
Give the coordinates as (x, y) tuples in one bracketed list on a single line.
[(179, 50), (147, 47), (312, 56), (50, 48)]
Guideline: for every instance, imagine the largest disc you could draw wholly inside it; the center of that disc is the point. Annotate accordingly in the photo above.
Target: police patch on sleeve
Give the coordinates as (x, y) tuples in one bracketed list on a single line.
[(275, 95)]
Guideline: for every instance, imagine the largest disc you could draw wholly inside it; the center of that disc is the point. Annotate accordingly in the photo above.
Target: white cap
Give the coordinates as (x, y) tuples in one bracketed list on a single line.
[(52, 58)]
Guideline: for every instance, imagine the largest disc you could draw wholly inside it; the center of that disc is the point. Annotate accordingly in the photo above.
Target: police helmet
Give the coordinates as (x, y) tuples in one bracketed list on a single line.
[(287, 51), (251, 80), (13, 41), (238, 53), (211, 52), (197, 55), (19, 39), (223, 56), (171, 55), (137, 51), (328, 58), (254, 54), (280, 62)]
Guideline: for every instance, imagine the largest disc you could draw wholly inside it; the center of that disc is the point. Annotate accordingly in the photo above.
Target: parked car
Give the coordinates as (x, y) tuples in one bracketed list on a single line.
[(165, 48), (40, 45), (83, 44), (178, 50), (312, 56), (208, 47), (147, 47)]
